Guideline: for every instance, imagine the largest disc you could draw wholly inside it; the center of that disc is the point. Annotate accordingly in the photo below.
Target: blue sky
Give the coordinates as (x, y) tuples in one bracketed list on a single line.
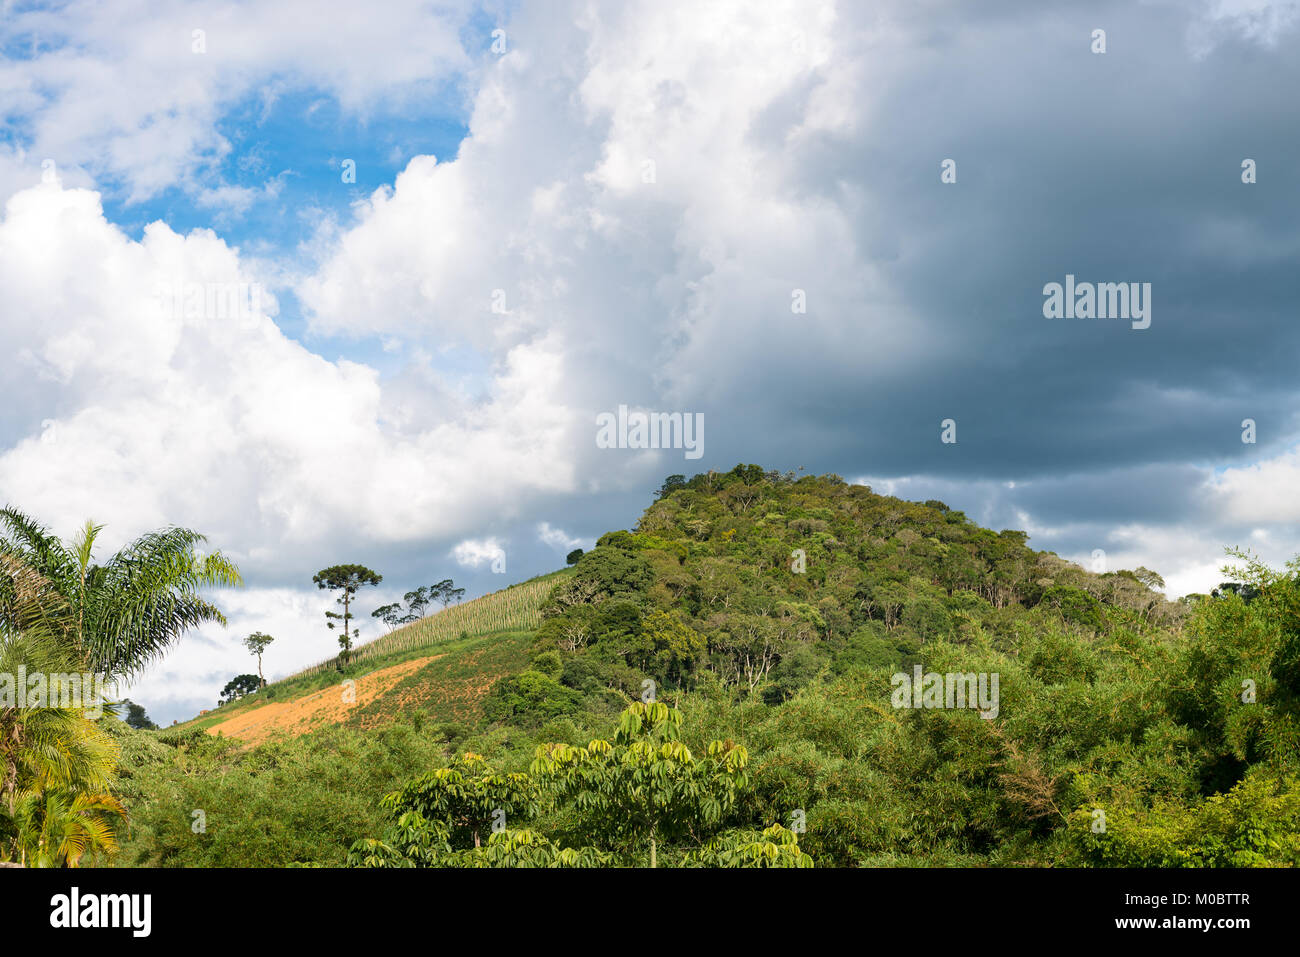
[(297, 145), (301, 139)]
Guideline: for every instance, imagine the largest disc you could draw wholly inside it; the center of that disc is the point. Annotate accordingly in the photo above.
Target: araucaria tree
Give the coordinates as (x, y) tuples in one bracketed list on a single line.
[(347, 580), (256, 644)]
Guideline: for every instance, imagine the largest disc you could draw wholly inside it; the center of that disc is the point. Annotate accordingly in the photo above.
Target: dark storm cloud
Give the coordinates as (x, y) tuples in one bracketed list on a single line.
[(1123, 166)]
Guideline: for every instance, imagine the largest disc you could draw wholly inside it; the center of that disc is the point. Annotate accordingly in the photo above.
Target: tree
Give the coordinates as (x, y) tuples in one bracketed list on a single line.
[(239, 686), (125, 613), (606, 572), (775, 847), (529, 697), (417, 601), (412, 840), (436, 591), (390, 615), (673, 647), (1150, 579), (57, 827), (467, 798), (446, 592), (136, 716), (418, 842), (671, 484), (43, 750), (348, 580), (1246, 592), (573, 556), (256, 644), (524, 848), (646, 785), (749, 474)]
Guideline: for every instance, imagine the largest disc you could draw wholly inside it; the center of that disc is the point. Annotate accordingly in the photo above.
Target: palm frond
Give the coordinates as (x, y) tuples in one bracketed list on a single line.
[(23, 535), (147, 596), (125, 613)]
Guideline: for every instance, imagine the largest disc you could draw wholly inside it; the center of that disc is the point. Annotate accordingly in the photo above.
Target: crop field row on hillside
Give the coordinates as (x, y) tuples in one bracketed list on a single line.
[(516, 608)]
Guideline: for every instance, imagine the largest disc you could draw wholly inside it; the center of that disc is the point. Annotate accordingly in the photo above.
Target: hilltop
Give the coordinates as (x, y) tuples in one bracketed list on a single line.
[(780, 613), (780, 576)]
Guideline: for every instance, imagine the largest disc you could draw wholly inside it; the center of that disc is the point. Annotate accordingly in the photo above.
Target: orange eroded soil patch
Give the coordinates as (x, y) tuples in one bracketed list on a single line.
[(458, 696), (316, 709)]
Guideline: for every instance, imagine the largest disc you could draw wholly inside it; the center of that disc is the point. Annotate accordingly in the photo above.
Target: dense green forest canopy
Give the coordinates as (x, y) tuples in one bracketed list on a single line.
[(739, 651)]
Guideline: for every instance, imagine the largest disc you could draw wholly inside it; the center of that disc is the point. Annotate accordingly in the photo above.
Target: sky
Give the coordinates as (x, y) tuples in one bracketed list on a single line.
[(455, 234)]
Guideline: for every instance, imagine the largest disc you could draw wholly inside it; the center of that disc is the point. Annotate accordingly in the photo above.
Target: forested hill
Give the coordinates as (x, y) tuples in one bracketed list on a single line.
[(777, 576), (734, 682)]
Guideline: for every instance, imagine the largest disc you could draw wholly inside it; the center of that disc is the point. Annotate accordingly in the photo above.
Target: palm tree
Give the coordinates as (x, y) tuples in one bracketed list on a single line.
[(125, 613), (55, 763), (58, 827), (61, 613)]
